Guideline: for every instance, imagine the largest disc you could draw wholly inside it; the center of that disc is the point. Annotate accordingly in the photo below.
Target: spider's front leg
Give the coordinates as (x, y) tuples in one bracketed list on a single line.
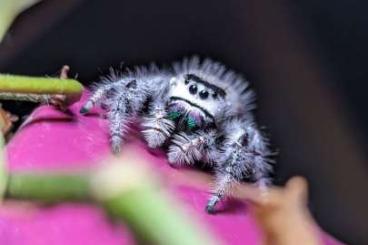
[(244, 155), (157, 127), (125, 99), (100, 93), (187, 148), (123, 108), (118, 117)]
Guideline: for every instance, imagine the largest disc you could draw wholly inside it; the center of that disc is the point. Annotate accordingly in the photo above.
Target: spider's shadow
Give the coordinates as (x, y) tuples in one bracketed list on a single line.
[(231, 206)]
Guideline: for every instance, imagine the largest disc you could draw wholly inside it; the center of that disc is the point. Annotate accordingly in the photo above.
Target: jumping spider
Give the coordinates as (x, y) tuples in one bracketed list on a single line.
[(201, 110)]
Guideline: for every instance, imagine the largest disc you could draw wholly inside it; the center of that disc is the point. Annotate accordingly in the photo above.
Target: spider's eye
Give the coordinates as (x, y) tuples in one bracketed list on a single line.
[(203, 94), (193, 89), (245, 140), (214, 95), (186, 81), (132, 84)]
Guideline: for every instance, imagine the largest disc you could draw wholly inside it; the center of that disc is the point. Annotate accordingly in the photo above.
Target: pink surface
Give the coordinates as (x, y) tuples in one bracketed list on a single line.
[(55, 140)]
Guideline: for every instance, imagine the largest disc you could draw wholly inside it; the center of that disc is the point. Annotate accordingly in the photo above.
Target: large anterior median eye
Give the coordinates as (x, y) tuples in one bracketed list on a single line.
[(244, 139), (203, 94), (193, 89)]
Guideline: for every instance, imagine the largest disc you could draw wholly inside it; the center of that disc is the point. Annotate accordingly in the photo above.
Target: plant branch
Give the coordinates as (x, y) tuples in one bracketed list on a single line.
[(58, 91)]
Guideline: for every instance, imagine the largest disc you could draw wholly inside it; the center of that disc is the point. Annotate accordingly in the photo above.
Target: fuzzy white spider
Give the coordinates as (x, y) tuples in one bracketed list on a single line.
[(201, 110)]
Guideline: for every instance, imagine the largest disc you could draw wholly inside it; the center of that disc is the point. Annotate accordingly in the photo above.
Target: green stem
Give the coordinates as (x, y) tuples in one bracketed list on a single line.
[(40, 89), (131, 192), (156, 219), (48, 187), (128, 195), (38, 85)]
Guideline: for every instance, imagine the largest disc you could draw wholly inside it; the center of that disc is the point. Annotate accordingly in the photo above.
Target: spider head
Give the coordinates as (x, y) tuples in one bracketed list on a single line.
[(213, 87), (195, 99)]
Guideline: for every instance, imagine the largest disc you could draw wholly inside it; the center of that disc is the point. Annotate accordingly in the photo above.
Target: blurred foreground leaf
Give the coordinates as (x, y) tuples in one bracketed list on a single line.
[(3, 170), (9, 9)]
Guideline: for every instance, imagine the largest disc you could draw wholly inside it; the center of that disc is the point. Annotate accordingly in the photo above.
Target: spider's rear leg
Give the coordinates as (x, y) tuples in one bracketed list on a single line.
[(224, 181), (244, 154), (156, 127), (224, 184), (233, 165)]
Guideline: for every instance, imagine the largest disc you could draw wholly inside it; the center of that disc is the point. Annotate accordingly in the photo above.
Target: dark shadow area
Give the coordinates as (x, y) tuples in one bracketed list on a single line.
[(231, 206), (305, 59)]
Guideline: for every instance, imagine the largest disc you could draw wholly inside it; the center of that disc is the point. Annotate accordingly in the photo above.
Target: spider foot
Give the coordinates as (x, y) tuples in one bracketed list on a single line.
[(86, 108), (116, 145), (211, 204)]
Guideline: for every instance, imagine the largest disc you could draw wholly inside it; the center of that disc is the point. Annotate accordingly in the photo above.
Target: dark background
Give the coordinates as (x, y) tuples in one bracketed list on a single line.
[(306, 59)]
